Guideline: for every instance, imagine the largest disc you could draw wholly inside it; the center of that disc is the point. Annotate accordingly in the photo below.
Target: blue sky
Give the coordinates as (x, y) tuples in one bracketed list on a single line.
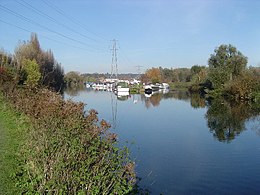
[(150, 33)]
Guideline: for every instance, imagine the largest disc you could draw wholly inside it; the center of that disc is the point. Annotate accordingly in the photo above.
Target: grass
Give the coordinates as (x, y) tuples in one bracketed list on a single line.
[(12, 135)]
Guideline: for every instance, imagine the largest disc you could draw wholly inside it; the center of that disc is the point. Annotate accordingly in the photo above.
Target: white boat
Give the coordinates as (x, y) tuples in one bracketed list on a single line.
[(122, 89), (99, 86), (165, 86), (148, 89)]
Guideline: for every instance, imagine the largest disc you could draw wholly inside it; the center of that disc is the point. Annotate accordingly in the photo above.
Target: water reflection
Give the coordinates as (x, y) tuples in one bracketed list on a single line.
[(226, 120), (196, 101), (174, 146), (75, 90), (122, 95), (153, 100)]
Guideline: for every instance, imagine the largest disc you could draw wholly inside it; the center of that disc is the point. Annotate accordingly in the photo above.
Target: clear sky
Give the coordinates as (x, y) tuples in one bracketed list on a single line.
[(150, 33)]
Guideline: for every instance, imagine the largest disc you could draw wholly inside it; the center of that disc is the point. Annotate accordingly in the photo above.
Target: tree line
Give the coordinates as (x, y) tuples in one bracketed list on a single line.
[(227, 74), (31, 65)]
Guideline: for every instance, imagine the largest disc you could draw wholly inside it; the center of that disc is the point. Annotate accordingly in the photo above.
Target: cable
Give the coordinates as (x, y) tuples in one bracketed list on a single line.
[(45, 36), (28, 6), (42, 26), (70, 18)]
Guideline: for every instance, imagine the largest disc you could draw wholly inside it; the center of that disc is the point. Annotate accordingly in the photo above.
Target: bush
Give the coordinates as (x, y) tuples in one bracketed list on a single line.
[(69, 151), (242, 88)]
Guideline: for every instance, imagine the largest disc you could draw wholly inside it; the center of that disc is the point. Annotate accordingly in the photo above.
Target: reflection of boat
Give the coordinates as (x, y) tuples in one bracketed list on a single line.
[(122, 93), (164, 91), (148, 95)]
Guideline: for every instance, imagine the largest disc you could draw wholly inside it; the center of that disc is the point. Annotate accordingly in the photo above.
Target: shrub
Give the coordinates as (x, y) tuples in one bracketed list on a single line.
[(69, 151), (242, 88)]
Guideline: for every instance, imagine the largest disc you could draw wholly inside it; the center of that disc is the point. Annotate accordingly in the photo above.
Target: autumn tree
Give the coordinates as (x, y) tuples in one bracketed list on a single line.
[(154, 75)]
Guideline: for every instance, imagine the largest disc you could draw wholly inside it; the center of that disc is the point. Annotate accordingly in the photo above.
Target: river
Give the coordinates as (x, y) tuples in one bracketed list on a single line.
[(183, 144)]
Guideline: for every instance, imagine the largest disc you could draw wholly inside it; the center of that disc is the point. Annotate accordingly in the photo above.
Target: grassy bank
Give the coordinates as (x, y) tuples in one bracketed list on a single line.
[(66, 150), (12, 131)]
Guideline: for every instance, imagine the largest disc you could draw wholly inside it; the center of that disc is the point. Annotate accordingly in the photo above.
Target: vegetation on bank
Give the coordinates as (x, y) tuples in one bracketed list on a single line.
[(227, 75), (13, 128), (30, 60), (66, 150)]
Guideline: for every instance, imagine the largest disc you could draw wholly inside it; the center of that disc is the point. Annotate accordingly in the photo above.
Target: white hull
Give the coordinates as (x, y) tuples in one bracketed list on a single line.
[(122, 89)]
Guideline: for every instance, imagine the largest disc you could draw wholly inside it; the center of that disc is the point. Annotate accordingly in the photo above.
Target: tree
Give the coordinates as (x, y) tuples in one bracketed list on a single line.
[(32, 72), (154, 75), (74, 79), (51, 71), (225, 64)]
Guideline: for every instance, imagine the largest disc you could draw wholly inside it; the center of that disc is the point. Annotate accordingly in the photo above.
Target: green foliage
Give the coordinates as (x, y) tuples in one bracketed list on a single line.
[(242, 88), (225, 64), (51, 71), (74, 79), (68, 151), (218, 77), (33, 73)]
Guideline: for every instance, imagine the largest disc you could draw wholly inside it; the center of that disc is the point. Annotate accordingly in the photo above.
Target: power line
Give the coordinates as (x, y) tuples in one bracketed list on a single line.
[(42, 26), (21, 28), (28, 6), (61, 12)]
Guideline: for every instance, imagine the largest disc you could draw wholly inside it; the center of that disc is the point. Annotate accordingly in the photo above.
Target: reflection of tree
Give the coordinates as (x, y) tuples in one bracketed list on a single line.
[(256, 125), (155, 99), (181, 95), (74, 91), (197, 101), (227, 120)]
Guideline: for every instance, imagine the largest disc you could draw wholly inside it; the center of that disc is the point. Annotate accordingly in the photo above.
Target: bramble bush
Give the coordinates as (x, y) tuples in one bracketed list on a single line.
[(68, 150)]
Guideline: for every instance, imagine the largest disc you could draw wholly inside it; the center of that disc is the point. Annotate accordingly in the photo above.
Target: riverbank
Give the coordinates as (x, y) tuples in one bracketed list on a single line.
[(12, 128), (65, 150)]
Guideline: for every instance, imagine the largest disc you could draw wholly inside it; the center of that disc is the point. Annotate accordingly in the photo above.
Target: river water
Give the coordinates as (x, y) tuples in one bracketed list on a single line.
[(183, 144)]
